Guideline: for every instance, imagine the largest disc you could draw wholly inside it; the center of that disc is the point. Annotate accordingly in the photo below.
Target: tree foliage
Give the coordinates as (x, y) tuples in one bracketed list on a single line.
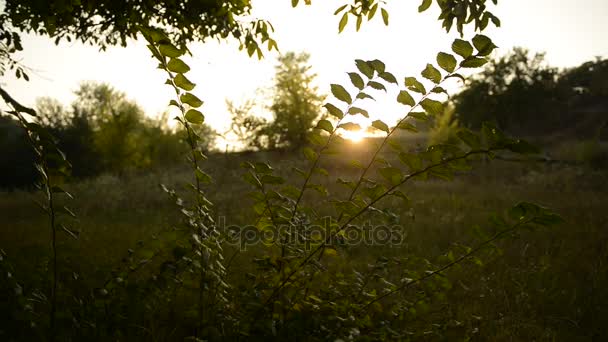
[(295, 106), (522, 94)]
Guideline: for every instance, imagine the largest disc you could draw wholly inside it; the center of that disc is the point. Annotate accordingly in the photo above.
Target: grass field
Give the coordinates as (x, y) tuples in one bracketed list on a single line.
[(546, 285)]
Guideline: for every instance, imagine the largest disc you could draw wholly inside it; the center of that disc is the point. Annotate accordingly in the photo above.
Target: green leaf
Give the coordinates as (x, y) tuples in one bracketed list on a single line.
[(384, 16), (340, 9), (425, 5), (459, 76), (270, 179), (379, 124), (169, 50), (178, 66), (473, 62), (483, 44), (191, 99), (364, 67), (432, 107), (376, 85), (357, 110), (446, 61), (462, 48), (182, 82), (341, 94), (173, 103), (407, 126), (405, 98), (372, 12), (350, 126), (378, 65), (333, 110), (309, 153), (420, 116), (388, 77), (469, 138), (194, 116), (294, 3), (356, 80), (202, 176), (343, 22), (413, 161), (413, 84), (431, 73), (392, 174), (325, 125), (364, 96)]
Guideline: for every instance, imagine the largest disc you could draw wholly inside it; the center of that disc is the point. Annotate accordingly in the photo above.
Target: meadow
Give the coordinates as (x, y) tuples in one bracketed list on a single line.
[(542, 285)]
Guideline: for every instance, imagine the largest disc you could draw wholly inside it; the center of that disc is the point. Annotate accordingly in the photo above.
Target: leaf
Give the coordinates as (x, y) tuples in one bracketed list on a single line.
[(425, 5), (356, 80), (372, 12), (483, 44), (446, 61), (378, 65), (473, 62), (420, 116), (407, 126), (340, 9), (333, 110), (469, 138), (325, 125), (432, 107), (384, 16), (459, 76), (413, 161), (364, 67), (341, 94), (178, 66), (379, 124), (376, 85), (462, 48), (169, 50), (309, 153), (270, 179), (194, 116), (405, 98), (191, 99), (392, 174), (350, 126), (413, 84), (364, 96), (294, 3), (357, 110), (343, 22), (431, 73), (202, 176), (388, 77), (359, 22), (182, 82)]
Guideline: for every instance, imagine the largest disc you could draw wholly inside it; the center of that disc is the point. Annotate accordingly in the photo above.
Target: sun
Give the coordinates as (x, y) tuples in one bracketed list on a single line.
[(353, 136)]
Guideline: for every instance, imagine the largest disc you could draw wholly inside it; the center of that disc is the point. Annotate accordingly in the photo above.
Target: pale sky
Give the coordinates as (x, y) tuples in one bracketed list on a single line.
[(570, 32)]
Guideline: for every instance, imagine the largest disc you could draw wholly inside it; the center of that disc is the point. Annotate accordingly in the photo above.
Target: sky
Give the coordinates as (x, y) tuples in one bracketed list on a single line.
[(570, 32)]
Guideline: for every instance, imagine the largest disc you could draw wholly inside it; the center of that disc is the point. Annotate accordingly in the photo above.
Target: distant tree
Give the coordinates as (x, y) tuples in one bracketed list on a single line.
[(517, 91), (295, 106), (296, 102)]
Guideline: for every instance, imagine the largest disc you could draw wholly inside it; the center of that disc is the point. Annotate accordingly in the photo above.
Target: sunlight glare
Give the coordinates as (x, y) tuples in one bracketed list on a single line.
[(353, 136)]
